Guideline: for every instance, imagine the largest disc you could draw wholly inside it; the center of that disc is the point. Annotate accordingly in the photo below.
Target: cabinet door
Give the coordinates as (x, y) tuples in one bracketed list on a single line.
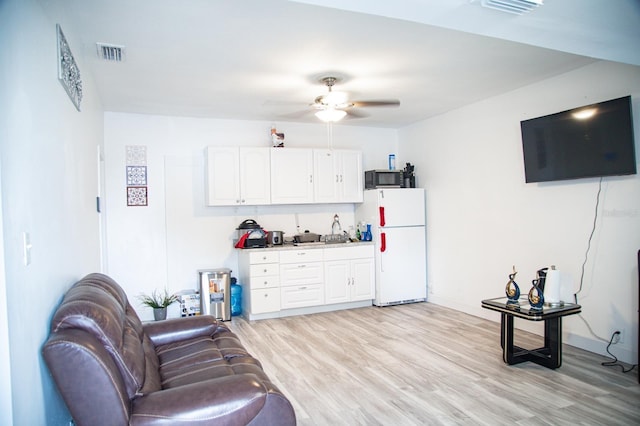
[(263, 301), (291, 176), (222, 176), (362, 279), (337, 280), (255, 176), (325, 176), (350, 177)]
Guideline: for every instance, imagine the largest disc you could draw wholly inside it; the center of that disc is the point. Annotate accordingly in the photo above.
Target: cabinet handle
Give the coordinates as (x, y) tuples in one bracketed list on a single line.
[(302, 266), (266, 282), (337, 179), (264, 270), (340, 178), (310, 178), (302, 288), (266, 295)]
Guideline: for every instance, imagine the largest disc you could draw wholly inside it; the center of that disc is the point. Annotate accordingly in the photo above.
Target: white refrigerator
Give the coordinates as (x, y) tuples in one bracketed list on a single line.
[(397, 218)]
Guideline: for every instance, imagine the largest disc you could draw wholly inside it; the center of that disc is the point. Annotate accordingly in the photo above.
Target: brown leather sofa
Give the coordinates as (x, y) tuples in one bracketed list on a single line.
[(111, 369)]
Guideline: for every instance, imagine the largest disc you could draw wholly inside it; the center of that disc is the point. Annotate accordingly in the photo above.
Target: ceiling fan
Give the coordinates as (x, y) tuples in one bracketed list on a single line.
[(334, 106)]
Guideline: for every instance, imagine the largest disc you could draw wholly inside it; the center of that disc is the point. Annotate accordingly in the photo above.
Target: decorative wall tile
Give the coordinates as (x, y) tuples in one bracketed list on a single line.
[(136, 195), (136, 176), (136, 155)]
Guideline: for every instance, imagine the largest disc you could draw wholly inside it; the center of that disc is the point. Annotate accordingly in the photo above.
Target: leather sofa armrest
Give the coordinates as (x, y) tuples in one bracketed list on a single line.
[(235, 399), (176, 329)]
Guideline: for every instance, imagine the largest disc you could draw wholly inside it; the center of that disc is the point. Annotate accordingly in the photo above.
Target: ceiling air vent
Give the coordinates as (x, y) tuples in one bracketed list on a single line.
[(110, 52), (512, 6)]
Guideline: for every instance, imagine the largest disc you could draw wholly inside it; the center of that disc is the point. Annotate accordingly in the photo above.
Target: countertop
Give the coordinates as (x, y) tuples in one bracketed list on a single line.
[(306, 246)]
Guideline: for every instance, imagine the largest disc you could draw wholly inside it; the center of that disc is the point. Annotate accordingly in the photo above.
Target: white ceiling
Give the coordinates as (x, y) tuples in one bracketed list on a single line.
[(261, 59)]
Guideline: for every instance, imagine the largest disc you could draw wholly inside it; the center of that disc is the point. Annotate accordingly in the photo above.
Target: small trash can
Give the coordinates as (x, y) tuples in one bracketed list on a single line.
[(215, 293)]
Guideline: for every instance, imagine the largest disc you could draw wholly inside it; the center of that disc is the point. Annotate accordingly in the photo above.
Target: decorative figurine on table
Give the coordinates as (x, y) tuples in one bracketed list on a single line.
[(512, 289), (542, 278), (536, 298)]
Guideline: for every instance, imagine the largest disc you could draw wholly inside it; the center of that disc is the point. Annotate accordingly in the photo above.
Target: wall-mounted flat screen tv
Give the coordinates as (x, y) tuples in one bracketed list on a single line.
[(589, 141)]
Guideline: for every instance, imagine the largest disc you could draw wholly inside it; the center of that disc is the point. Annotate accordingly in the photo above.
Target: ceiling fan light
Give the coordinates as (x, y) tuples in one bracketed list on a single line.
[(331, 115)]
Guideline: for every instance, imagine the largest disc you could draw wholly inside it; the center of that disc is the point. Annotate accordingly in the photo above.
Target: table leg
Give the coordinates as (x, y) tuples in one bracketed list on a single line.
[(549, 356), (553, 341)]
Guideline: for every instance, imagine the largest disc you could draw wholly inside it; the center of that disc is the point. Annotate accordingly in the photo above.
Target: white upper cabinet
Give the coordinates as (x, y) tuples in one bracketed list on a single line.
[(337, 176), (237, 176), (291, 176)]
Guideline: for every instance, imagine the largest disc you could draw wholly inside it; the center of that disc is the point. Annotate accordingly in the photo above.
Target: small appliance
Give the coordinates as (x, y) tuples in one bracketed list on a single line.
[(275, 238), (383, 179), (249, 234)]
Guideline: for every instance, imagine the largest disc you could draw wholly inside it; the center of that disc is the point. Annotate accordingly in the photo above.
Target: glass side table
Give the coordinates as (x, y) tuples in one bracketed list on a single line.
[(550, 355)]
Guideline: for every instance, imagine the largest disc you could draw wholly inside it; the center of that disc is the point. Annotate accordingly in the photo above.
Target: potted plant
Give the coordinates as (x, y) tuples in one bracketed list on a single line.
[(159, 302)]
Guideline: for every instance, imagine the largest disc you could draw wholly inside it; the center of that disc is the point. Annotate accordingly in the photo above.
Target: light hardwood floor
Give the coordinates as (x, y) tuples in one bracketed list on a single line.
[(423, 364)]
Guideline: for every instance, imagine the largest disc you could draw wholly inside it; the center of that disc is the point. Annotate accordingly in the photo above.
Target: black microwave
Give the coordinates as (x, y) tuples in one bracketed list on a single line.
[(382, 179)]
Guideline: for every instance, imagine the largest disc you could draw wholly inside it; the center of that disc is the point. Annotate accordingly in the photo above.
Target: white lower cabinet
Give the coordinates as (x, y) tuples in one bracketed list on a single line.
[(301, 278), (349, 274), (292, 281), (259, 276)]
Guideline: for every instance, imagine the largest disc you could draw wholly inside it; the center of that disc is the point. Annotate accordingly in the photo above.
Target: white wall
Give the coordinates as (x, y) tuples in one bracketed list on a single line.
[(49, 183), (483, 218), (165, 243)]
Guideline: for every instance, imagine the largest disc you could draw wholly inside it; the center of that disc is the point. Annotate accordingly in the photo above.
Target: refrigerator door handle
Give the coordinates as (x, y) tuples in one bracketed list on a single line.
[(382, 221), (383, 242)]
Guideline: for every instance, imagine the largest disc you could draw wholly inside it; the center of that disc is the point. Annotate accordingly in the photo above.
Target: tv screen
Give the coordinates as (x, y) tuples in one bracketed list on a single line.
[(589, 141)]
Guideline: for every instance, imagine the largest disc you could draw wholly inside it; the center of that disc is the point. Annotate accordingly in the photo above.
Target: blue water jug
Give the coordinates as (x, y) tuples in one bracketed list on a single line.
[(236, 298)]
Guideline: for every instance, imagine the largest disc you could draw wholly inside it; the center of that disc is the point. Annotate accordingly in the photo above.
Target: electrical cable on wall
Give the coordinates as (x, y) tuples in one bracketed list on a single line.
[(593, 230)]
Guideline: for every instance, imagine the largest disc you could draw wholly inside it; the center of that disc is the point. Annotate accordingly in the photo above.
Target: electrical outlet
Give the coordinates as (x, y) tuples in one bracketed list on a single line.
[(618, 337)]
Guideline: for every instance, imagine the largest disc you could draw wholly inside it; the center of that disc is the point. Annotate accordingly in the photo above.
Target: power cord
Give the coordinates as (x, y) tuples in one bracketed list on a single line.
[(593, 230), (615, 361)]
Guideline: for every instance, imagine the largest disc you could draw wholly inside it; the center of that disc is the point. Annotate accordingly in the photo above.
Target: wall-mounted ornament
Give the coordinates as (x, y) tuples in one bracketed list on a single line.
[(136, 195), (68, 71), (512, 290), (136, 175), (136, 155)]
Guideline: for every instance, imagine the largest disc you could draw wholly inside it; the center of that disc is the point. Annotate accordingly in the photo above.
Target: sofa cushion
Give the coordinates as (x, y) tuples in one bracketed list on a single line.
[(97, 305)]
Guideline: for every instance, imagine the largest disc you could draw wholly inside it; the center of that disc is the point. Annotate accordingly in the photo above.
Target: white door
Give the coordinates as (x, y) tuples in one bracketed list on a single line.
[(401, 207), (350, 176), (325, 176), (222, 176), (291, 176), (337, 278), (362, 279), (255, 176), (401, 264)]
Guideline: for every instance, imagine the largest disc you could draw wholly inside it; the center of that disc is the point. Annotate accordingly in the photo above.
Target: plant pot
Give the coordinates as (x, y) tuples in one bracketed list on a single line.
[(160, 314)]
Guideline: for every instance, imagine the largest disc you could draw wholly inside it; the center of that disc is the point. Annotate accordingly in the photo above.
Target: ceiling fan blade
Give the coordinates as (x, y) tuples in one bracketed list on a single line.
[(352, 113), (296, 114), (376, 103)]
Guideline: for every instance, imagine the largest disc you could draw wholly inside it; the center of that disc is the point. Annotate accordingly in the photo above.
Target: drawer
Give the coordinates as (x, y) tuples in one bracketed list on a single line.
[(302, 296), (263, 257), (267, 300), (298, 256), (268, 281), (301, 273), (355, 252), (264, 270)]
